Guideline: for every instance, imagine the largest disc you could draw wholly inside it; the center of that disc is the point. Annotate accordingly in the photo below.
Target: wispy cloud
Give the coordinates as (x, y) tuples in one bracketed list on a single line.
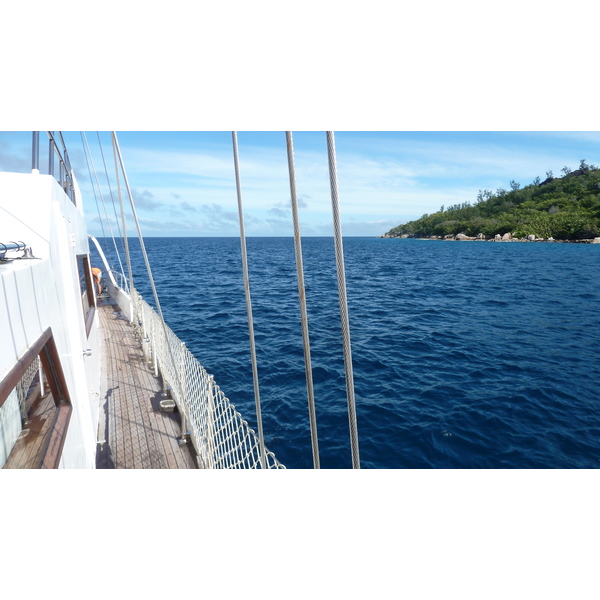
[(187, 207), (165, 227), (217, 214), (145, 199), (195, 164), (279, 211)]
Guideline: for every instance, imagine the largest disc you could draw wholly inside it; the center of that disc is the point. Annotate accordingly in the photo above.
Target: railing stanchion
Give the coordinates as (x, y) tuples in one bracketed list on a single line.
[(211, 421), (50, 154), (41, 375), (68, 177), (154, 349), (35, 153), (182, 385)]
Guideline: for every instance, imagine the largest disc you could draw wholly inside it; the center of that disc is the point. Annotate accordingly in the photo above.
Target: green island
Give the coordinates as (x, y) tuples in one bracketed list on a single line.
[(565, 208)]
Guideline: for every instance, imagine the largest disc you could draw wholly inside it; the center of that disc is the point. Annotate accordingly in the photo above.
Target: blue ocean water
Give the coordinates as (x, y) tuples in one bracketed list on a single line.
[(465, 354)]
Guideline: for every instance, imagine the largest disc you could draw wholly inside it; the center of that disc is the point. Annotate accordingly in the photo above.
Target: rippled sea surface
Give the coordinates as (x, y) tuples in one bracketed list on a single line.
[(465, 354)]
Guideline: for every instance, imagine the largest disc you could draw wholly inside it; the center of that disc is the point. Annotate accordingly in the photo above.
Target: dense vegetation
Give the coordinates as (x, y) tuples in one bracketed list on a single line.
[(565, 208)]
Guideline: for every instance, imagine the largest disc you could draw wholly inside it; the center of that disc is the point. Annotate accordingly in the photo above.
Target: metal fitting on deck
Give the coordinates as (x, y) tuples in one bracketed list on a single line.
[(168, 406)]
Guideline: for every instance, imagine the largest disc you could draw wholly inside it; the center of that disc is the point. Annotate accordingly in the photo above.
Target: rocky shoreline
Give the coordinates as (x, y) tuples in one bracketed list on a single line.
[(507, 237)]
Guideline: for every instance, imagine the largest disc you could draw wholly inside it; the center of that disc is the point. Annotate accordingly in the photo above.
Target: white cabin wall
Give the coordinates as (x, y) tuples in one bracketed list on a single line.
[(14, 339), (93, 367), (46, 293), (7, 345), (23, 308), (80, 443)]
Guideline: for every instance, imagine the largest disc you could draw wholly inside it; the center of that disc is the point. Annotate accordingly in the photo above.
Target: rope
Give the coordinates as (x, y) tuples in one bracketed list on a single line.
[(112, 199), (103, 204), (95, 196), (108, 183), (125, 239), (248, 300), (341, 277), (302, 296)]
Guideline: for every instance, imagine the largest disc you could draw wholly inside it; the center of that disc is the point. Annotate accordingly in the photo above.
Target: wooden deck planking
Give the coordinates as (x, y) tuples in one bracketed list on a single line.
[(28, 452), (169, 431), (138, 448), (138, 435), (130, 435), (145, 381)]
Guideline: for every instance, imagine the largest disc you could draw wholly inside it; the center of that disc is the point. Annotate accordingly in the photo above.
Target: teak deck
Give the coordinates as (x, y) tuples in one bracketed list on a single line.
[(133, 433), (28, 451)]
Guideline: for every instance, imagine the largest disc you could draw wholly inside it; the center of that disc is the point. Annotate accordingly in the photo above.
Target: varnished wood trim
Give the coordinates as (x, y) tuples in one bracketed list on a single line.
[(89, 320), (90, 287), (54, 373), (90, 290), (14, 375), (53, 451)]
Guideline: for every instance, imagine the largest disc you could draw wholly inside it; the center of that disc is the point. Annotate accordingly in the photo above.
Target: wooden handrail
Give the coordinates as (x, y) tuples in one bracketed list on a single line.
[(8, 384)]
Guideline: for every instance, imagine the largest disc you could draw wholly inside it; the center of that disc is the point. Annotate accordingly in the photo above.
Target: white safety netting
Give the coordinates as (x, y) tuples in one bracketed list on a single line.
[(221, 437)]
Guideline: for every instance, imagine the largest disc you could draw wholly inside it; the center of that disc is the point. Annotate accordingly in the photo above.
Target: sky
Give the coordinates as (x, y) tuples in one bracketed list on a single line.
[(183, 182)]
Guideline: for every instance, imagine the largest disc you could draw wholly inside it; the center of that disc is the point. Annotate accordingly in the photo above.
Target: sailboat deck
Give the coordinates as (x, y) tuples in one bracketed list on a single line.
[(133, 433)]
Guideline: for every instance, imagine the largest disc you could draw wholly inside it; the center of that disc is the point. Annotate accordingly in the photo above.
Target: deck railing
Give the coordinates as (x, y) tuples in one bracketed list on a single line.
[(221, 437), (65, 175), (120, 279)]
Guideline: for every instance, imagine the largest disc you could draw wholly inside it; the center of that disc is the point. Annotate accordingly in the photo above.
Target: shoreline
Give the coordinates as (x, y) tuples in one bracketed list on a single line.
[(507, 237)]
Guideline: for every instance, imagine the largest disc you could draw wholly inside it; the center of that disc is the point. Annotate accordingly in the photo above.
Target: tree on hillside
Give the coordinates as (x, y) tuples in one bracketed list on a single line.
[(565, 208)]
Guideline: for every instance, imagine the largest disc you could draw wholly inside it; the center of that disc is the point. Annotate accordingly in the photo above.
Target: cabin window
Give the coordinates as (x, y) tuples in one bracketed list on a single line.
[(88, 290), (35, 409)]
